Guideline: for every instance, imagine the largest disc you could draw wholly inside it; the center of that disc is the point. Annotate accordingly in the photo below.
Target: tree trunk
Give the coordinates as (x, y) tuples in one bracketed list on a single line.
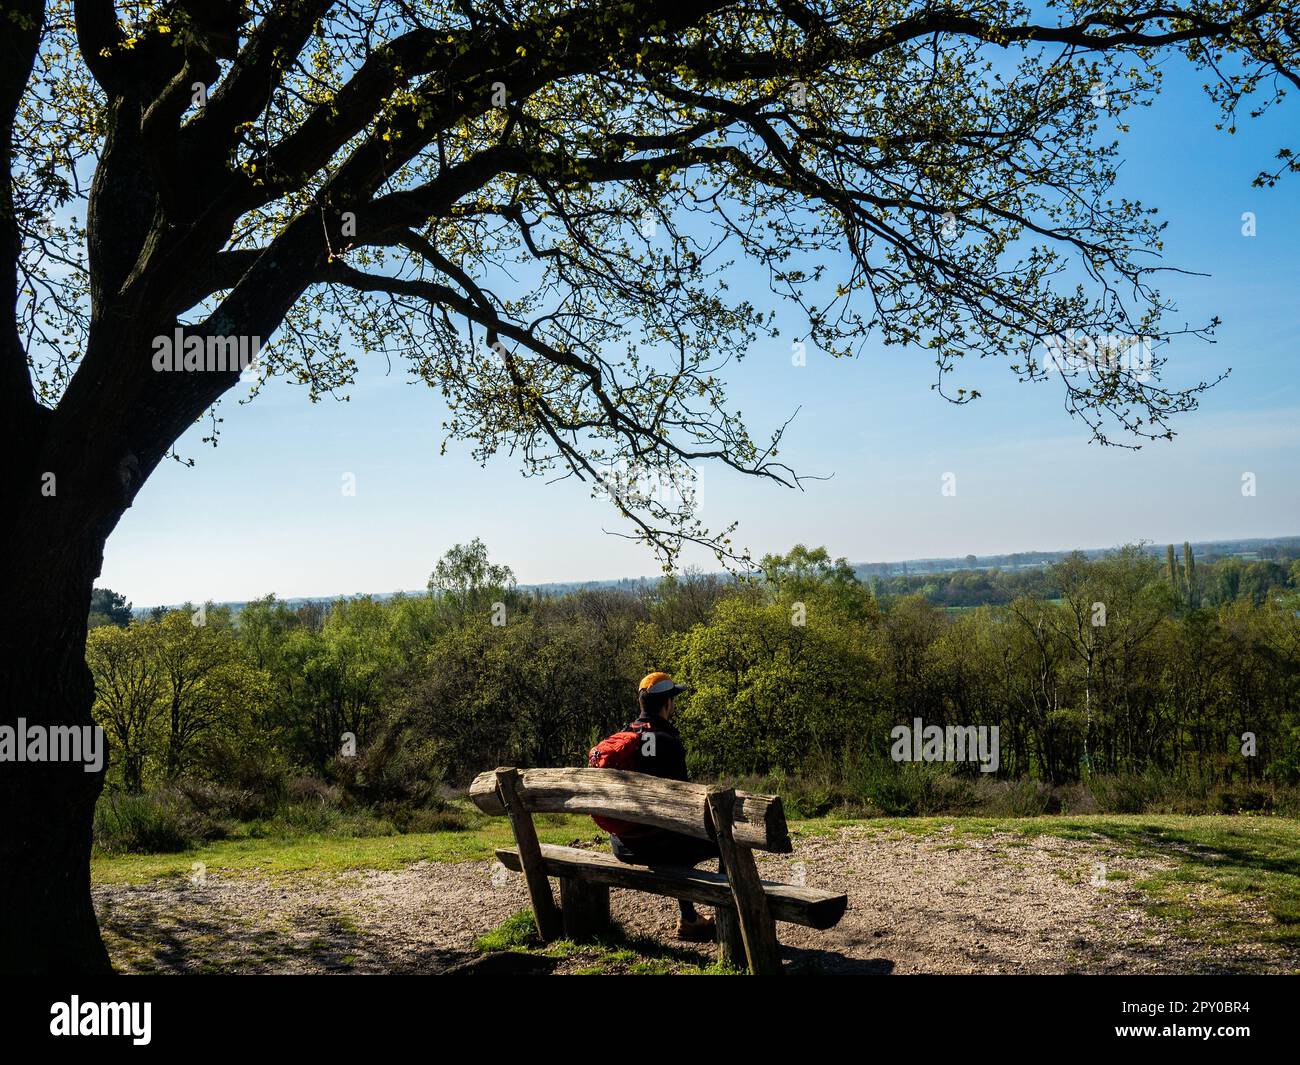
[(174, 736), (47, 921), (133, 772)]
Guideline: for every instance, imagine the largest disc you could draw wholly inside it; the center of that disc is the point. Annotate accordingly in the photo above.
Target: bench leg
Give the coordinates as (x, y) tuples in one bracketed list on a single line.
[(530, 855), (584, 907), (757, 928), (731, 944)]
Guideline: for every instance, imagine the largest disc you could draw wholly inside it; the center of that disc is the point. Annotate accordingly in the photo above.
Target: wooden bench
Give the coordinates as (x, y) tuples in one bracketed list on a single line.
[(747, 908)]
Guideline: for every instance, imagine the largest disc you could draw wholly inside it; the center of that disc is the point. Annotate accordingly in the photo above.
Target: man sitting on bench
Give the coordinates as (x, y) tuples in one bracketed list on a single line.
[(651, 744)]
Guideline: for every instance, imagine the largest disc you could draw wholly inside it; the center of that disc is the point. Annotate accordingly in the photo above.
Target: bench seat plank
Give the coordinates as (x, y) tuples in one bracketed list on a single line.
[(806, 906)]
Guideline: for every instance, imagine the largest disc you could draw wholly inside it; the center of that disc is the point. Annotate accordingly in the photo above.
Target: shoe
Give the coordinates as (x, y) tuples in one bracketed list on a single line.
[(700, 930)]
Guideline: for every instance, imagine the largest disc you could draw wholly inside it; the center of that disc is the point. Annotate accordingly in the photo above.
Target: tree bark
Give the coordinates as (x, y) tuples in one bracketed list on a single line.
[(47, 919)]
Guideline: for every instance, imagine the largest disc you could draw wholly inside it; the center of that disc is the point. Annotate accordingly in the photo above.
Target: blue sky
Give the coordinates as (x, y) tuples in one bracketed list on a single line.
[(264, 511)]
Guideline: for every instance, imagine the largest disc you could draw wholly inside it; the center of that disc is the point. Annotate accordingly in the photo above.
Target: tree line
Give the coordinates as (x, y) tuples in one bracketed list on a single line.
[(1224, 579), (801, 668)]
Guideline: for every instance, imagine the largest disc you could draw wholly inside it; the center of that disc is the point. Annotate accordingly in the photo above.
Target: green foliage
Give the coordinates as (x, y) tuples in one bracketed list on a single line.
[(1148, 792), (802, 573), (771, 683), (107, 607), (915, 789), (171, 693), (797, 679), (1284, 768), (158, 823), (465, 581), (1025, 798)]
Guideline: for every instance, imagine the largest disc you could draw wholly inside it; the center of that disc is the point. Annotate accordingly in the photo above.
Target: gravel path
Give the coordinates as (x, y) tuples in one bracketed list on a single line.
[(917, 904)]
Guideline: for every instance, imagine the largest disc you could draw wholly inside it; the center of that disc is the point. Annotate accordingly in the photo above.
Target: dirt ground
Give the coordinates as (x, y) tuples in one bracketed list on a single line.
[(917, 904)]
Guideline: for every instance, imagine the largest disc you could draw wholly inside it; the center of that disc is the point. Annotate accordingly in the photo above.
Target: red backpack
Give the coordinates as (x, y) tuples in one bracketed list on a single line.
[(618, 751)]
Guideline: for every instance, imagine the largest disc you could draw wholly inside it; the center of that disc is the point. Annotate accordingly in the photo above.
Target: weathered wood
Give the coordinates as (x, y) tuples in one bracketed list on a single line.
[(757, 927), (549, 923), (585, 908), (731, 946), (809, 907), (675, 805), (758, 821)]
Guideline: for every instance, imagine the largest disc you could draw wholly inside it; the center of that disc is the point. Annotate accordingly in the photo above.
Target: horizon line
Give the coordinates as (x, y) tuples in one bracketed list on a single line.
[(533, 585)]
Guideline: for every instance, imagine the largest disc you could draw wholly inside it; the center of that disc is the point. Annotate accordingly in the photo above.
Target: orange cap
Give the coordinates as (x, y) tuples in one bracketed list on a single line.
[(659, 683)]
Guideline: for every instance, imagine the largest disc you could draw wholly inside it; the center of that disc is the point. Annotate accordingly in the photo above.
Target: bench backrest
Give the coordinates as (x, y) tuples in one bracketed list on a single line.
[(758, 821)]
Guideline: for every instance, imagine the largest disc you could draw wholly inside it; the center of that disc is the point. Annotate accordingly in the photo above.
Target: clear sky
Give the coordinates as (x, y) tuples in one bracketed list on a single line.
[(264, 511)]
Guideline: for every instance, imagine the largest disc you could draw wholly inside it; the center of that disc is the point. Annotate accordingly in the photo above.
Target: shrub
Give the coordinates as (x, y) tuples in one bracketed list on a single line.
[(223, 802), (158, 823), (915, 789), (1244, 798), (1017, 798), (315, 819), (1076, 799), (445, 820), (314, 789)]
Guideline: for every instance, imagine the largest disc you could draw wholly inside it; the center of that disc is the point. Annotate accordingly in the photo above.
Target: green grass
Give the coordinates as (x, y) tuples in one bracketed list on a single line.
[(326, 854), (517, 932), (617, 953)]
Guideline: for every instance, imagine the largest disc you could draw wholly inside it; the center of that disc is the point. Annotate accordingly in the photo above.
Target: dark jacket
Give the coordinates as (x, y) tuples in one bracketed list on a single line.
[(647, 844), (669, 758)]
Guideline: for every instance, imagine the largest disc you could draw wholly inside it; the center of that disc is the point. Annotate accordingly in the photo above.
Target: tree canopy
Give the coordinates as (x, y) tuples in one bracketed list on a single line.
[(534, 206)]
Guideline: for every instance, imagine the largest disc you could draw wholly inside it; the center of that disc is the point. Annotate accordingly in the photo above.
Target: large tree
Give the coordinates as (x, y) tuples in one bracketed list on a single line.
[(534, 205)]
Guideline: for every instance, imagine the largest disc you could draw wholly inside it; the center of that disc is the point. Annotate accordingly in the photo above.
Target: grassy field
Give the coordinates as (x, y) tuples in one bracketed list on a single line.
[(1223, 880), (331, 854)]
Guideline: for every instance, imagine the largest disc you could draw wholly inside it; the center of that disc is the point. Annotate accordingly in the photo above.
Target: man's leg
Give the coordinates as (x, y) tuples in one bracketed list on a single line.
[(670, 849), (687, 850)]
